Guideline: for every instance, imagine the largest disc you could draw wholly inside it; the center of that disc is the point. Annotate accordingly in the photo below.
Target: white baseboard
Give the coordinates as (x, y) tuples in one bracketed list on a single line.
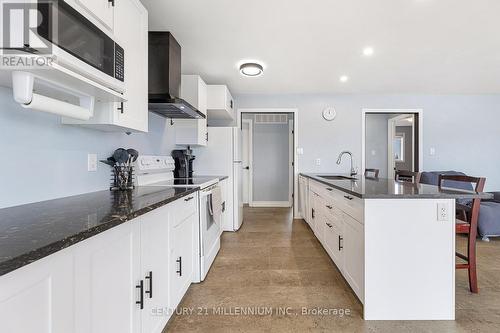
[(270, 204)]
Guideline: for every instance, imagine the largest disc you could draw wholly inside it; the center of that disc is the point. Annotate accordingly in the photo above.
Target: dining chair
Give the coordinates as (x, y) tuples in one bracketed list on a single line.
[(468, 227), (407, 176)]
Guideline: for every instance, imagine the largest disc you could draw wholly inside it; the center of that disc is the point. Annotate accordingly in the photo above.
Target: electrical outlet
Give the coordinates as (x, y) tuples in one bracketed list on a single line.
[(318, 161), (92, 162), (432, 151), (442, 211)]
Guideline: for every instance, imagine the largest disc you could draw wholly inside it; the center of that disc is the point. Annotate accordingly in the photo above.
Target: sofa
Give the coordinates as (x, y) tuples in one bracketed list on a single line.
[(489, 213)]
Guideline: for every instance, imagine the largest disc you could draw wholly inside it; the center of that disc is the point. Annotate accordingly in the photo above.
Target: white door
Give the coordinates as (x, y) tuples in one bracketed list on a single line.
[(155, 268), (245, 159), (102, 10), (132, 35), (107, 281), (38, 298)]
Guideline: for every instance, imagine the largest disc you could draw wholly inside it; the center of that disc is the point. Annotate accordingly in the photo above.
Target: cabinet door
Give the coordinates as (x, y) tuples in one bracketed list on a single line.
[(354, 255), (313, 210), (38, 298), (131, 32), (191, 132), (225, 210), (102, 10), (182, 258), (155, 268), (107, 271), (335, 243)]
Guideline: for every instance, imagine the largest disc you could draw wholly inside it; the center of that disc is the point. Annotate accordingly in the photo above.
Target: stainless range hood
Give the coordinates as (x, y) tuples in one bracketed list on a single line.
[(165, 78)]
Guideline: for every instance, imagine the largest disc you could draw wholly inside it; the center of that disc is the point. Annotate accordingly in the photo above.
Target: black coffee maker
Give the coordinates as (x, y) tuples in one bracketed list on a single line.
[(183, 163)]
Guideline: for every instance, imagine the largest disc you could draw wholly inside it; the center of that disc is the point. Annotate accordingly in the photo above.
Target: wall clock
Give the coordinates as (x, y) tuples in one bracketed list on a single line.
[(329, 113)]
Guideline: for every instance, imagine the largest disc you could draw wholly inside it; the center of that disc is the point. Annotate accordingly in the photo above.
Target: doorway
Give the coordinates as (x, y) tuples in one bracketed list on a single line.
[(392, 140), (268, 159)]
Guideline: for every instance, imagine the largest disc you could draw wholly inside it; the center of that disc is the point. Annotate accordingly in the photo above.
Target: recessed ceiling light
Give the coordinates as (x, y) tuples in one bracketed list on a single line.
[(368, 51), (344, 78), (251, 69)]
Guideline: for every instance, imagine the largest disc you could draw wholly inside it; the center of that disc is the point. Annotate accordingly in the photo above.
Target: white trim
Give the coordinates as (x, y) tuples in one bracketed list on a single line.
[(420, 114), (295, 145), (270, 204), (250, 159)]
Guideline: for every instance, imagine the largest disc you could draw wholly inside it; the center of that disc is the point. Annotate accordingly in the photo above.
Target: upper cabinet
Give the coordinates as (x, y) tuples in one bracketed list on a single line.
[(102, 10), (131, 32), (220, 104), (193, 132)]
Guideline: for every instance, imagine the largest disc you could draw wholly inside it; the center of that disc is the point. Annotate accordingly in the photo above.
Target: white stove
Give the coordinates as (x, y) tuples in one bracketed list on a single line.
[(158, 171)]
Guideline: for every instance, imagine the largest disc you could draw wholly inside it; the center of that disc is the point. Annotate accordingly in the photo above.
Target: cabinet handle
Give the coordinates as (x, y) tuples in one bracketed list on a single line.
[(329, 225), (150, 278), (223, 206), (340, 245), (120, 108), (140, 302), (179, 261), (190, 198), (207, 136), (329, 207), (312, 212), (112, 2), (348, 197), (329, 189)]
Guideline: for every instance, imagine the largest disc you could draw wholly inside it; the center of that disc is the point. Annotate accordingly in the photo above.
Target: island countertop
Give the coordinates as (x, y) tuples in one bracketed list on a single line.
[(384, 188), (33, 231)]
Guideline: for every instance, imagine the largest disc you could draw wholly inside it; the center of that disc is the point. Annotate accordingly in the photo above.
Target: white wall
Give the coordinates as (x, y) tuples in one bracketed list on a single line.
[(464, 129), (42, 159)]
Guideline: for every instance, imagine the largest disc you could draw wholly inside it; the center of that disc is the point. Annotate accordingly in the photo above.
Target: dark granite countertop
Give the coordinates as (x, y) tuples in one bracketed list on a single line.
[(384, 188), (33, 231)]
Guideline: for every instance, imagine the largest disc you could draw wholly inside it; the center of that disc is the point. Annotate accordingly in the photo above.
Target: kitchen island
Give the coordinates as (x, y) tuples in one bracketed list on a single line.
[(394, 242)]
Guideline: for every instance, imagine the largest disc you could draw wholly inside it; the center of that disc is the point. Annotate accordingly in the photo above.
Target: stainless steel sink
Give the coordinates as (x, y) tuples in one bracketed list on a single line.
[(337, 177)]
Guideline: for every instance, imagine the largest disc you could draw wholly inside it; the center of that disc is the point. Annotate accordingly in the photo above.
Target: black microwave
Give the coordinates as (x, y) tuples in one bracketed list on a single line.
[(69, 30)]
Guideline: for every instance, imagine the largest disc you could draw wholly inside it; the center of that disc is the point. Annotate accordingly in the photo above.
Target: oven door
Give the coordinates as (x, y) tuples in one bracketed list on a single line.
[(210, 229), (75, 39)]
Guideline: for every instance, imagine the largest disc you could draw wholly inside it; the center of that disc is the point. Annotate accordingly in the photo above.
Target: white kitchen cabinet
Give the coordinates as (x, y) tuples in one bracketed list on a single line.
[(193, 132), (353, 250), (102, 10), (313, 208), (131, 33), (182, 238), (155, 254), (38, 298), (220, 103), (334, 241), (107, 281)]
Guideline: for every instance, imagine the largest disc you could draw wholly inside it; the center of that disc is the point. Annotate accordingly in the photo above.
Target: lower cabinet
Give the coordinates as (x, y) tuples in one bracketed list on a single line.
[(39, 297), (128, 279), (181, 259), (107, 269), (339, 228), (303, 198)]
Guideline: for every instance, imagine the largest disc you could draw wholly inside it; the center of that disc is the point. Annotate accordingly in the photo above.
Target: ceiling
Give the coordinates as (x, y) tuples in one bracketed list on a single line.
[(420, 46)]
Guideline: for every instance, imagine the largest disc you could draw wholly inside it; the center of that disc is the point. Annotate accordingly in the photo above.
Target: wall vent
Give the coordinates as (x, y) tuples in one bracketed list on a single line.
[(271, 118)]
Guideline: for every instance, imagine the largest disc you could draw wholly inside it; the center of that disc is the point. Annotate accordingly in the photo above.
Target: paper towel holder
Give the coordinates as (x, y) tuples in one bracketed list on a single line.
[(22, 86)]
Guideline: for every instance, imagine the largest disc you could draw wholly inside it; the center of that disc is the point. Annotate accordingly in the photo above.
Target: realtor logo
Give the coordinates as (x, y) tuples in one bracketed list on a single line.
[(21, 44)]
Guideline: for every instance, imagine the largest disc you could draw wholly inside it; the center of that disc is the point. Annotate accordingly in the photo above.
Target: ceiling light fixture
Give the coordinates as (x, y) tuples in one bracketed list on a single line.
[(368, 51), (344, 78), (251, 69)]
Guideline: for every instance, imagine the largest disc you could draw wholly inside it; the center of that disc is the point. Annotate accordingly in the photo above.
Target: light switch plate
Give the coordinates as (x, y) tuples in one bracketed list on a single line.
[(300, 151), (432, 151), (318, 161), (92, 162)]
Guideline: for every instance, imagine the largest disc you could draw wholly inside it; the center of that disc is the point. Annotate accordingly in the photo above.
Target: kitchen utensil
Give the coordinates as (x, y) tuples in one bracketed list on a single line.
[(134, 154), (121, 156)]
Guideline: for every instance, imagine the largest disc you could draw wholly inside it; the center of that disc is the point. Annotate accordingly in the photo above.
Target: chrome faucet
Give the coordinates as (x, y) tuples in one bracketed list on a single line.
[(339, 160)]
